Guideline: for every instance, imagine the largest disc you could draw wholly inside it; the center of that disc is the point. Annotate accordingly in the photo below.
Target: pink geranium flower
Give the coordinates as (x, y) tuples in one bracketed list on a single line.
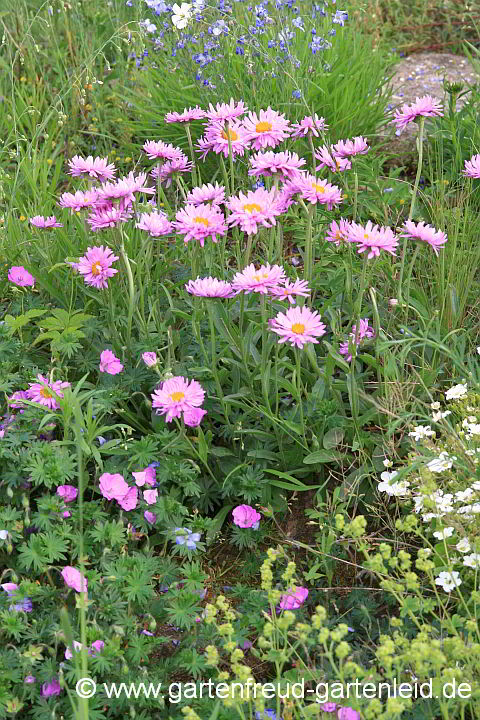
[(187, 115), (163, 150), (51, 688), (426, 233), (150, 496), (289, 291), (155, 223), (109, 363), (298, 326), (129, 500), (316, 191), (285, 165), (177, 395), (77, 646), (197, 222), (96, 647), (74, 579), (68, 493), (145, 476), (41, 222), (309, 124), (258, 207), (113, 487), (267, 129), (372, 238), (98, 168), (261, 280), (348, 713), (193, 416), (150, 517), (427, 106), (96, 266), (21, 277), (472, 167), (246, 516), (150, 359), (293, 600), (216, 136), (209, 287), (42, 392), (225, 112), (207, 193)]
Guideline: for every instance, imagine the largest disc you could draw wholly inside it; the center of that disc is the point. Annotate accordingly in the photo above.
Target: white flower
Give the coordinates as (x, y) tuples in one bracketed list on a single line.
[(478, 350), (181, 15), (455, 392), (436, 416), (472, 560), (435, 405), (463, 495), (398, 489), (476, 485), (441, 463), (387, 463), (448, 580), (463, 546), (3, 534), (421, 431), (443, 534)]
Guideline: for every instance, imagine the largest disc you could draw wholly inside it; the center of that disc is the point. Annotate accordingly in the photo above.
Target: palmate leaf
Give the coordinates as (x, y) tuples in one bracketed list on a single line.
[(32, 554)]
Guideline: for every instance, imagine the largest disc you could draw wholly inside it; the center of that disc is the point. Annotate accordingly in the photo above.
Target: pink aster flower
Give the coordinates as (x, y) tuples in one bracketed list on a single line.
[(177, 395), (145, 476), (98, 168), (113, 486), (225, 112), (41, 222), (332, 161), (203, 147), (155, 223), (289, 290), (315, 190), (245, 516), (338, 232), (314, 124), (209, 287), (298, 326), (42, 391), (163, 150), (427, 106), (472, 167), (286, 165), (216, 137), (125, 188), (21, 277), (261, 280), (15, 400), (293, 600), (95, 266), (74, 579), (267, 129), (79, 200), (103, 218), (427, 233), (207, 193), (150, 517), (365, 331), (257, 207), (193, 416), (129, 500), (109, 363), (166, 172), (150, 359), (372, 238), (347, 148), (197, 222), (186, 116), (68, 493), (150, 496)]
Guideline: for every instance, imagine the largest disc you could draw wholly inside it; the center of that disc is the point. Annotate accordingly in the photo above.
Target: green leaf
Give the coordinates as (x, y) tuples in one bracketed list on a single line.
[(332, 438), (321, 456), (217, 522)]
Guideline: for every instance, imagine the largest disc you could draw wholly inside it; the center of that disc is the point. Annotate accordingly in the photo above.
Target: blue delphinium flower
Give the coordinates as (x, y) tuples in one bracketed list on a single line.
[(186, 536), (340, 17), (298, 22), (297, 94)]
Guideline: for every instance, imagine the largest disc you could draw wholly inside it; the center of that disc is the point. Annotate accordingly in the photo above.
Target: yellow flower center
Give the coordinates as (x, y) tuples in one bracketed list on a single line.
[(263, 126), (201, 220), (338, 235), (177, 396), (298, 328), (250, 207), (233, 135), (318, 188), (96, 268), (45, 392), (366, 236)]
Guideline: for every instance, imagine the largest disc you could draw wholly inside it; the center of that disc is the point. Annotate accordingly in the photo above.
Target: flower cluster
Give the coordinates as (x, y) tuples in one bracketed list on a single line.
[(178, 397)]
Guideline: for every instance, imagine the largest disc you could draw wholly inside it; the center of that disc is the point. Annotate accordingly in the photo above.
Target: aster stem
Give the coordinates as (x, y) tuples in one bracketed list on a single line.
[(225, 175), (180, 187), (355, 197), (308, 257), (131, 292), (192, 154), (299, 391), (409, 274), (412, 203), (312, 148), (214, 360)]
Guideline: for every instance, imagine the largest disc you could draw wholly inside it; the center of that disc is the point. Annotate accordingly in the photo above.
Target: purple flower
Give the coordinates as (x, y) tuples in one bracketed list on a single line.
[(348, 713), (187, 537), (73, 578), (293, 600), (96, 647), (246, 517), (51, 688), (29, 679), (19, 276), (67, 492), (150, 517)]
